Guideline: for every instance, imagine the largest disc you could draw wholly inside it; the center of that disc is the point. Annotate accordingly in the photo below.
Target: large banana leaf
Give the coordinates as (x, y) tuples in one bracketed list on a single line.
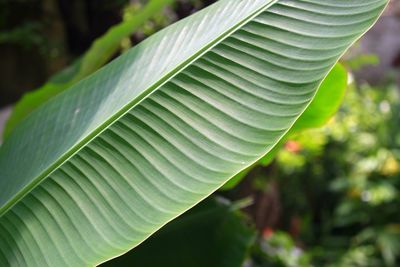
[(101, 167)]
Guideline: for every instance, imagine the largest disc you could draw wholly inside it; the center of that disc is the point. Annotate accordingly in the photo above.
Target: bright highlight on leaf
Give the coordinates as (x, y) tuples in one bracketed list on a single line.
[(104, 165)]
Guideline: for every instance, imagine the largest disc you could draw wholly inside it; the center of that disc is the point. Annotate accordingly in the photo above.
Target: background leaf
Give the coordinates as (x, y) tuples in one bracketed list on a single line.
[(212, 234), (326, 102)]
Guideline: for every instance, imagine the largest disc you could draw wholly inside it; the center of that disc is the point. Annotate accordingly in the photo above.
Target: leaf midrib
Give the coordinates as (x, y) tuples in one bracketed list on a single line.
[(124, 110)]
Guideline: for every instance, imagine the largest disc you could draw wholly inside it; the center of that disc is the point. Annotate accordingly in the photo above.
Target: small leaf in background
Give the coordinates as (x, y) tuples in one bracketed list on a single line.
[(326, 102)]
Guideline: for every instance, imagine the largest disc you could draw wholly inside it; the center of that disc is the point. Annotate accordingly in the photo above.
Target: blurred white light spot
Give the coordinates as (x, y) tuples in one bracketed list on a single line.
[(366, 196), (384, 106)]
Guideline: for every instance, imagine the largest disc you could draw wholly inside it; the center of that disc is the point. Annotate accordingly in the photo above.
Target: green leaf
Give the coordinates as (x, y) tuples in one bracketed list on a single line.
[(102, 166), (102, 50), (326, 102), (211, 234), (322, 108)]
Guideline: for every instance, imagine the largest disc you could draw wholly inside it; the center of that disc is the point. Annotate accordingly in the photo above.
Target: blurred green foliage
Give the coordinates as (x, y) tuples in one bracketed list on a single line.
[(342, 183), (26, 35)]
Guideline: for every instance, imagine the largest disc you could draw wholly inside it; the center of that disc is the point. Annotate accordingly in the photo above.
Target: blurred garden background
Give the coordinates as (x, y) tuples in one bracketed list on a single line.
[(331, 195)]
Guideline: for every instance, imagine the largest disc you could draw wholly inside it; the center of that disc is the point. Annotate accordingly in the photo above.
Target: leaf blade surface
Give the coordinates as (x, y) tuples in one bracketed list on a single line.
[(162, 127)]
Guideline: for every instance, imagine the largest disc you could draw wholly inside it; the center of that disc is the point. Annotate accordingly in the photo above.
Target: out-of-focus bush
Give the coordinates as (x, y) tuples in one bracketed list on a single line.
[(340, 185)]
